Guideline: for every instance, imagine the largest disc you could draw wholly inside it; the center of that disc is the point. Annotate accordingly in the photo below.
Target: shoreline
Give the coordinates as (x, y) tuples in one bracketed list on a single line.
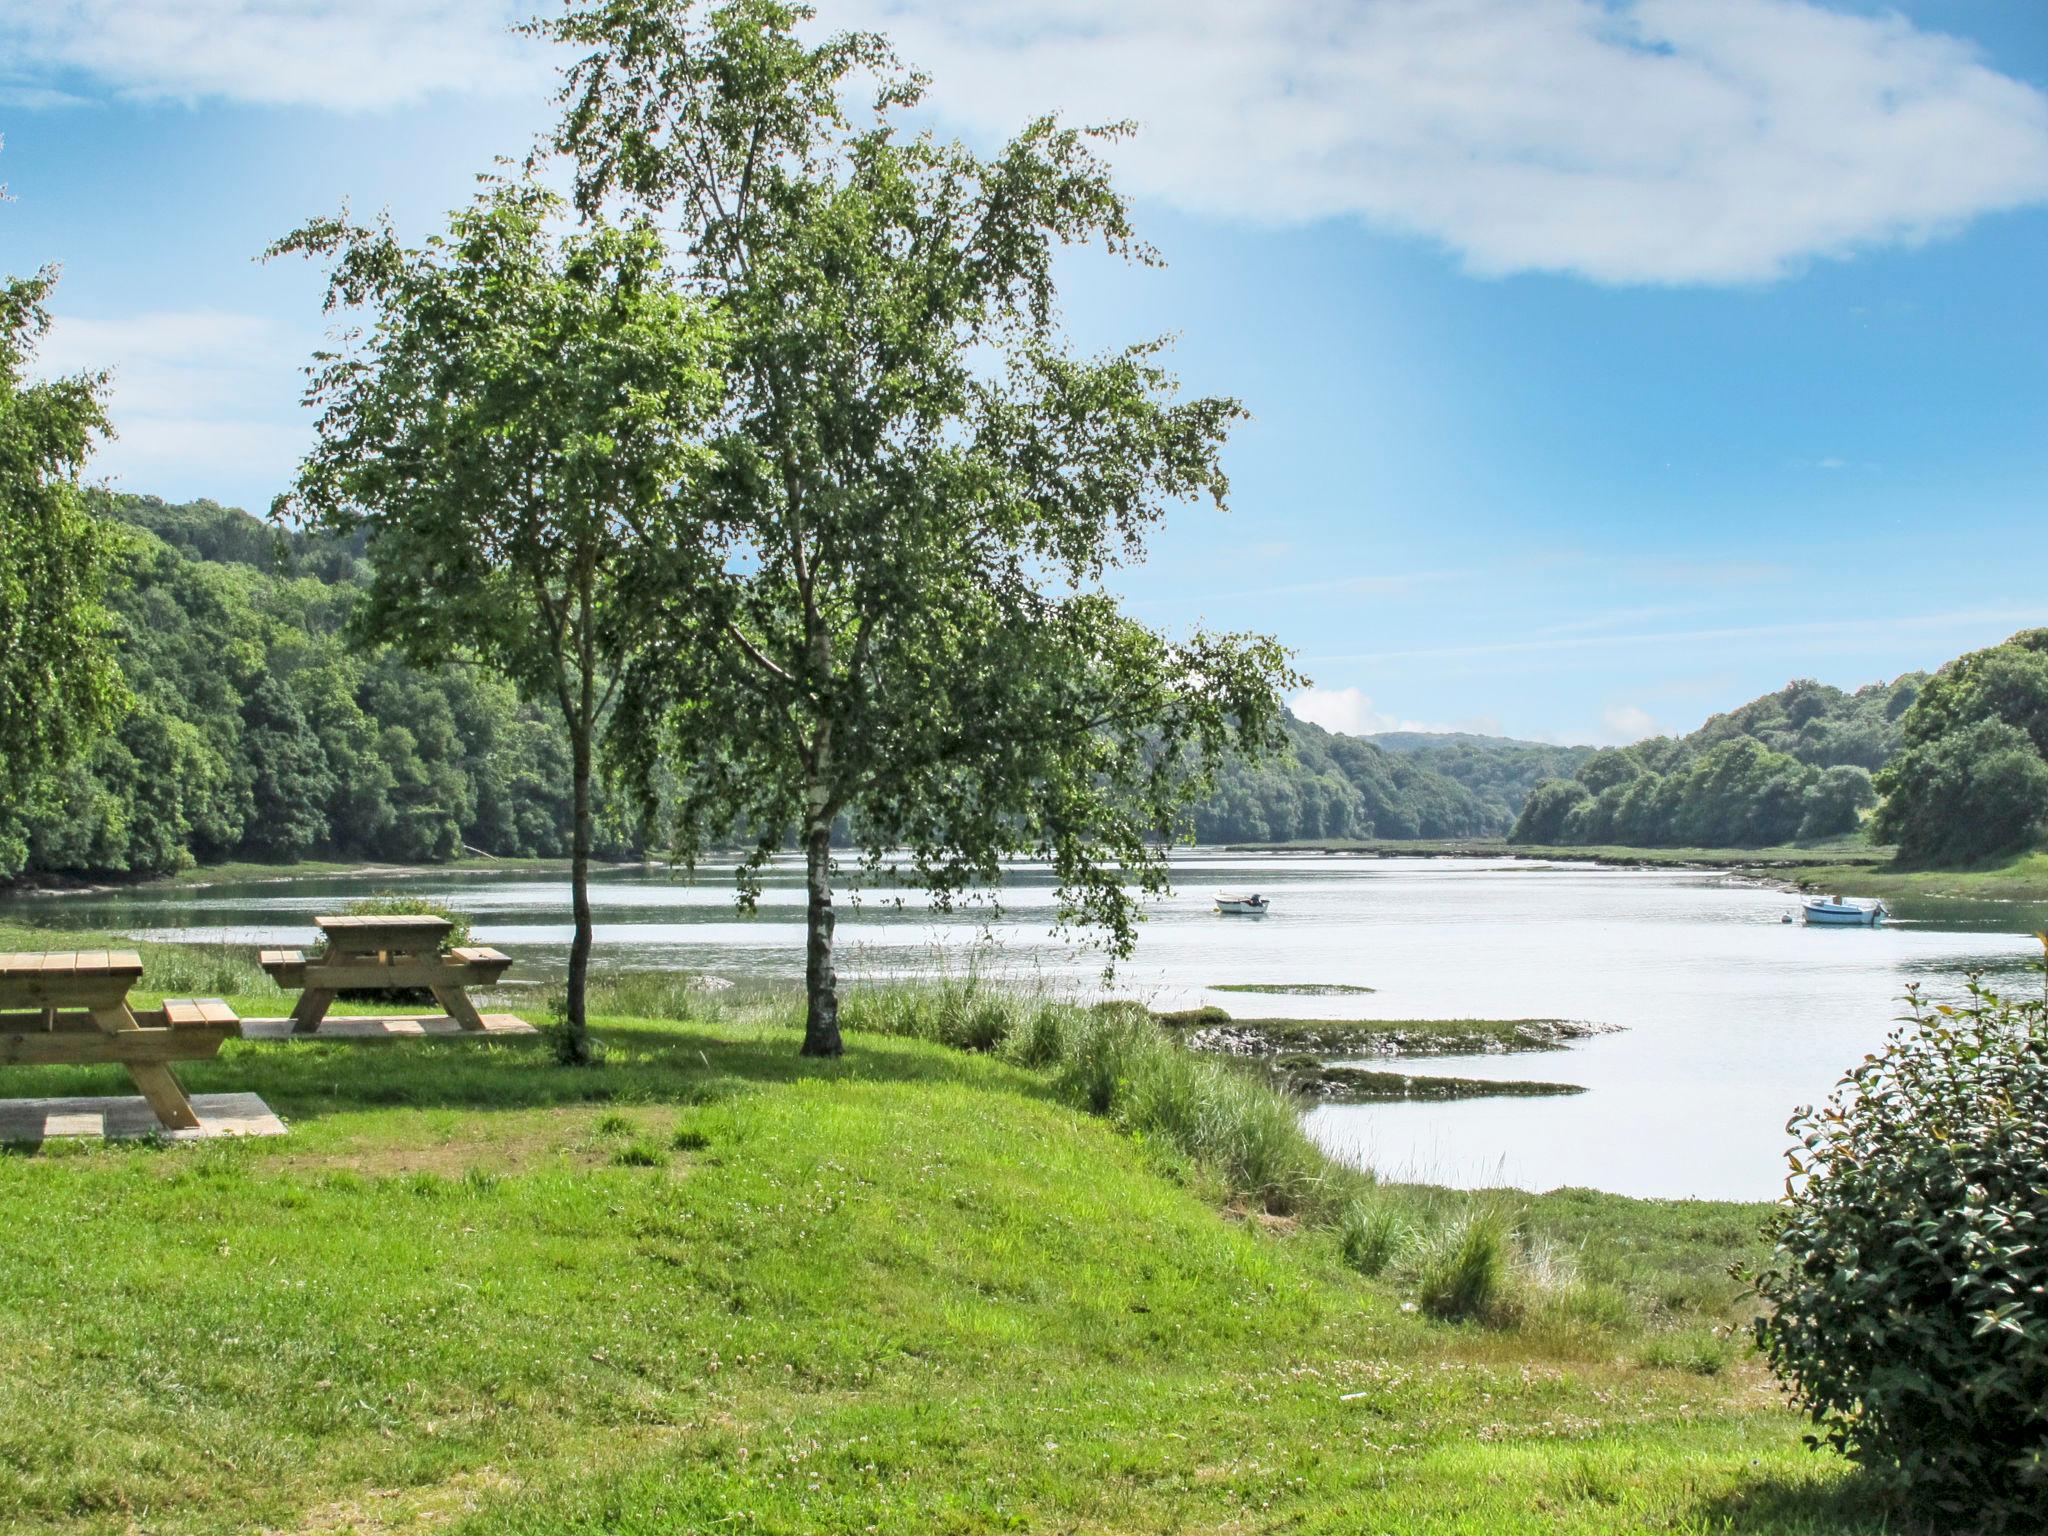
[(2022, 878), (1860, 869)]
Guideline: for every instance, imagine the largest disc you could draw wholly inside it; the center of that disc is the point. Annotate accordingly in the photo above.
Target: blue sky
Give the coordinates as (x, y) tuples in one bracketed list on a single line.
[(1609, 363)]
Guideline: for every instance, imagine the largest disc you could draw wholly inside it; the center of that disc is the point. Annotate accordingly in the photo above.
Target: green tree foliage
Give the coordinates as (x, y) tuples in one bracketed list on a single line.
[(289, 779), (1792, 765), (1907, 1288), (59, 690), (419, 763), (1550, 807), (1498, 771), (515, 436), (1331, 786), (1971, 793), (1972, 781), (922, 489)]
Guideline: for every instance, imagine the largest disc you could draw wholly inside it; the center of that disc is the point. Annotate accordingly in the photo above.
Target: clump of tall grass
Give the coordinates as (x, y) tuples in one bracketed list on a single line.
[(1371, 1235), (962, 1011), (1463, 1269)]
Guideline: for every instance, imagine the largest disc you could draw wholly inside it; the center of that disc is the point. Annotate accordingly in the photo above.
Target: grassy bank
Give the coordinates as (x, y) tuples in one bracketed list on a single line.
[(2021, 877), (1009, 1264)]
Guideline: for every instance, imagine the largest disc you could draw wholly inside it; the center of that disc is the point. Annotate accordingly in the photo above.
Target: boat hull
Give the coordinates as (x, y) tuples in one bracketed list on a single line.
[(1844, 917)]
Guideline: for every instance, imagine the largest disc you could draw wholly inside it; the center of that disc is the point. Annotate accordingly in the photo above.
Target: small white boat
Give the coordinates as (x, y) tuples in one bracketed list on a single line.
[(1241, 904), (1834, 912)]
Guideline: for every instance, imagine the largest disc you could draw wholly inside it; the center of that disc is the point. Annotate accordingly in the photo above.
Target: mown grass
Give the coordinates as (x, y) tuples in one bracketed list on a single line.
[(1008, 1264)]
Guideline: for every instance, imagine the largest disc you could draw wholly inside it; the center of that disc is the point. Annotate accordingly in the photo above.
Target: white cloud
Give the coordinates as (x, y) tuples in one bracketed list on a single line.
[(1640, 141), (1349, 712), (1626, 141), (345, 54), (1621, 724), (202, 400)]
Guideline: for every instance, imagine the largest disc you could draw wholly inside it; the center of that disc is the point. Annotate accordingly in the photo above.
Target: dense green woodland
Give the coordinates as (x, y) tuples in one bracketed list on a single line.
[(1334, 786), (1956, 766), (255, 731), (1794, 765)]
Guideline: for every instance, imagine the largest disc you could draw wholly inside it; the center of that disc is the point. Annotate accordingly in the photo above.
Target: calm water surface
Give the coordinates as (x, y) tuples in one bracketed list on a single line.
[(1729, 1016)]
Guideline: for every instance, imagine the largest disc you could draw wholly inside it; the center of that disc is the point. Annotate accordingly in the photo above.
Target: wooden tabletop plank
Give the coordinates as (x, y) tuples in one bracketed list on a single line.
[(57, 964), (357, 934)]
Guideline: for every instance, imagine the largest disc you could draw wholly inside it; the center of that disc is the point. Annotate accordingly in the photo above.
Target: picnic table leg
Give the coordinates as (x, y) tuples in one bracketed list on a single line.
[(159, 1088), (310, 1009), (456, 1004)]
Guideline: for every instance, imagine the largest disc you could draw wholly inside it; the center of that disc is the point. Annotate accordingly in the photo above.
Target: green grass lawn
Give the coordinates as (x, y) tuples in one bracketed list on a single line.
[(708, 1286)]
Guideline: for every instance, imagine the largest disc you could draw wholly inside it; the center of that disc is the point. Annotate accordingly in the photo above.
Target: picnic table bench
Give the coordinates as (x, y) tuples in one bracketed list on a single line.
[(385, 952), (72, 1007)]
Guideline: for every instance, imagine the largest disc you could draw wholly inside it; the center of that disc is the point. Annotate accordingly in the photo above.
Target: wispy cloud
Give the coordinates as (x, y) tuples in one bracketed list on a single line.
[(1626, 141), (1621, 724), (193, 391), (1831, 632), (1386, 585), (345, 54), (1350, 712)]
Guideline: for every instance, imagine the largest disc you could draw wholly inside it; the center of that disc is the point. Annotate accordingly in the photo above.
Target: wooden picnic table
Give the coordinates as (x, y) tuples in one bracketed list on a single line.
[(385, 952), (72, 1007)]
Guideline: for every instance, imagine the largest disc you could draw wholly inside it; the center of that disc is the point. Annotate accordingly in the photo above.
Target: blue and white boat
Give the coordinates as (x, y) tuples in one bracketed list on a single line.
[(1834, 912)]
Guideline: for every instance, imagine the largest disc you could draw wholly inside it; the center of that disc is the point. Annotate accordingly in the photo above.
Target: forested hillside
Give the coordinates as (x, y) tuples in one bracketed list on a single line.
[(1972, 779), (1794, 765), (1499, 770), (1332, 786), (255, 731)]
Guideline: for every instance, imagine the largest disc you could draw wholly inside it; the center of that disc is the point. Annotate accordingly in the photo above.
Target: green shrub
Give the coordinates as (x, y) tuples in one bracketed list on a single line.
[(639, 1153), (1461, 1267), (1370, 1235), (387, 904), (1908, 1279)]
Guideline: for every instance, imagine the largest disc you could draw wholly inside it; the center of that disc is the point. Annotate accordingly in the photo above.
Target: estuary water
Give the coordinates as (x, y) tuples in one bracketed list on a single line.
[(1724, 1016)]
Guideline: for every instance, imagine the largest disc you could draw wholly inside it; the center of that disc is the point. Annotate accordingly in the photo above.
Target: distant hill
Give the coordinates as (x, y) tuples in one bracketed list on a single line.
[(1438, 741), (1498, 771), (1332, 786), (1399, 784), (1793, 765)]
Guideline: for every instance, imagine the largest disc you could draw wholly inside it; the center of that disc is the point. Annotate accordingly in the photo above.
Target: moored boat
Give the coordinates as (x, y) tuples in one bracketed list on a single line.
[(1241, 904), (1834, 912)]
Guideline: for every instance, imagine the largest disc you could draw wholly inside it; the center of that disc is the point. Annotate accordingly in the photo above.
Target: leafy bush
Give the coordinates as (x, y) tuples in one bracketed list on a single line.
[(387, 904), (390, 904), (1908, 1281)]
